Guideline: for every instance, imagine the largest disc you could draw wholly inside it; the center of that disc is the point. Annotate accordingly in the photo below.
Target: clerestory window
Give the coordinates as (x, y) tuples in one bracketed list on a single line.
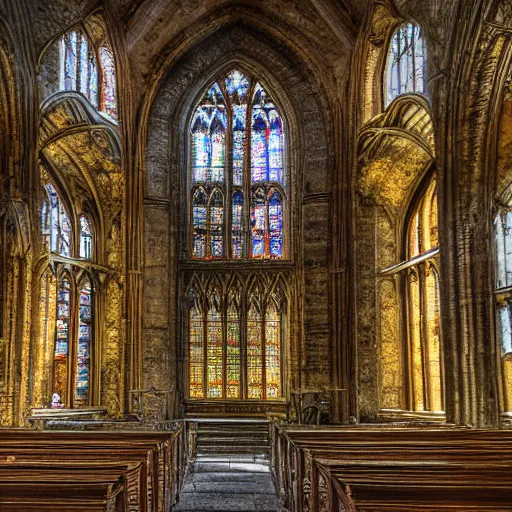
[(405, 65)]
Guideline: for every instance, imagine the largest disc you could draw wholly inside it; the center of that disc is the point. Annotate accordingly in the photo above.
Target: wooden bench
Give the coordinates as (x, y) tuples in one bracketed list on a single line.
[(412, 487), (297, 451), (161, 455), (81, 487)]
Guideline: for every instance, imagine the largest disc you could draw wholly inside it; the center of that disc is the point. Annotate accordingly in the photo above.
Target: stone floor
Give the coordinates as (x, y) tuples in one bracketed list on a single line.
[(231, 483)]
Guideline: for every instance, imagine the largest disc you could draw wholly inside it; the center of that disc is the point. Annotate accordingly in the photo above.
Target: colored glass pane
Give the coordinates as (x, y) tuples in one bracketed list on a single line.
[(93, 80), (505, 316), (255, 156), (216, 226), (70, 61), (215, 353), (233, 354), (218, 150), (60, 225), (237, 86), (272, 353), (415, 342), (85, 239), (237, 211), (84, 66), (61, 351), (433, 352), (80, 70), (275, 148), (259, 146), (196, 353), (503, 233), (275, 213), (109, 104), (199, 223), (406, 63), (200, 146), (83, 357), (239, 123), (45, 222), (258, 222), (254, 354)]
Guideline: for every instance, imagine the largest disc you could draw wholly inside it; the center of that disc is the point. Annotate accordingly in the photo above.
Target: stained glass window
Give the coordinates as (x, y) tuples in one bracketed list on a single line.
[(67, 306), (62, 338), (258, 216), (200, 203), (238, 238), (237, 211), (503, 251), (405, 63), (217, 225), (108, 67), (272, 352), (89, 69), (85, 238), (256, 166), (215, 353), (233, 353), (196, 353), (83, 358), (57, 226), (423, 304), (276, 225), (230, 329), (254, 352)]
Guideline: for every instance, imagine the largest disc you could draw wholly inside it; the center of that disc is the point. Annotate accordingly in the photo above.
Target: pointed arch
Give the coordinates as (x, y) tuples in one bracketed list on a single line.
[(86, 65), (405, 65), (215, 349), (239, 102)]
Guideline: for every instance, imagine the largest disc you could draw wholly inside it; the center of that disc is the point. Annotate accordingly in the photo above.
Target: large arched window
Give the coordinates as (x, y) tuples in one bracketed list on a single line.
[(88, 66), (419, 276), (67, 301), (237, 174), (405, 65), (238, 200)]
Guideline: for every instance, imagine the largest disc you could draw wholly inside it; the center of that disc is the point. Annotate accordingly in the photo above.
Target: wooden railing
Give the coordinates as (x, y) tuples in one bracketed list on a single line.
[(391, 468), (111, 471)]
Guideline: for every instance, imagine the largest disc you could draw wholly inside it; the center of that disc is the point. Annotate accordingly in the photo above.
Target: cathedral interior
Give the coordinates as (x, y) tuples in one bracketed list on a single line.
[(278, 230)]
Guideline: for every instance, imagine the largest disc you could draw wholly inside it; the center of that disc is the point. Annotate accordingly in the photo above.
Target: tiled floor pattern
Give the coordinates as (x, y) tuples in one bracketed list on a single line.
[(228, 484)]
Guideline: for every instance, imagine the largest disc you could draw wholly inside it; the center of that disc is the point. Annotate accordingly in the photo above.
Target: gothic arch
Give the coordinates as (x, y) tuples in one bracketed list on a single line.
[(242, 46)]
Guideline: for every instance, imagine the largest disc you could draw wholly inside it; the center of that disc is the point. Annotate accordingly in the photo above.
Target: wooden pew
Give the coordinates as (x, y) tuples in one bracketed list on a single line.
[(57, 486), (384, 486), (159, 454), (296, 450)]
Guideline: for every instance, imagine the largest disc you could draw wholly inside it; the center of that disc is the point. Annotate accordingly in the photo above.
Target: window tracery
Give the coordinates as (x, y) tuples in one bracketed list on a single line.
[(420, 274), (237, 193), (67, 322), (234, 347), (238, 202), (405, 66), (88, 67)]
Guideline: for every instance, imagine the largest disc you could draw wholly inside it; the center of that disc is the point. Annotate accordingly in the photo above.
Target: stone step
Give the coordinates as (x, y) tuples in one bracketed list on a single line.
[(232, 437)]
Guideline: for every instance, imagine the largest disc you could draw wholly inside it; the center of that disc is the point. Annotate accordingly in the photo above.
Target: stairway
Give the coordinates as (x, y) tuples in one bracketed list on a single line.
[(237, 437), (231, 471)]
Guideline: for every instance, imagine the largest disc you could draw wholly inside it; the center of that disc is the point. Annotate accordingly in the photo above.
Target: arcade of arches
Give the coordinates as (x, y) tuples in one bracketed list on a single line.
[(219, 208)]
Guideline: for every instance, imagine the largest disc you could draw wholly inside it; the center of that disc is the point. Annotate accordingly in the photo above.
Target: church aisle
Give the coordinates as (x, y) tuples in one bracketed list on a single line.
[(228, 483)]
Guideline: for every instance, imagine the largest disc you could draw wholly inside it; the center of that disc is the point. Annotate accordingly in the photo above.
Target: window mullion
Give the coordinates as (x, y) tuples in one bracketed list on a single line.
[(247, 178), (228, 185)]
